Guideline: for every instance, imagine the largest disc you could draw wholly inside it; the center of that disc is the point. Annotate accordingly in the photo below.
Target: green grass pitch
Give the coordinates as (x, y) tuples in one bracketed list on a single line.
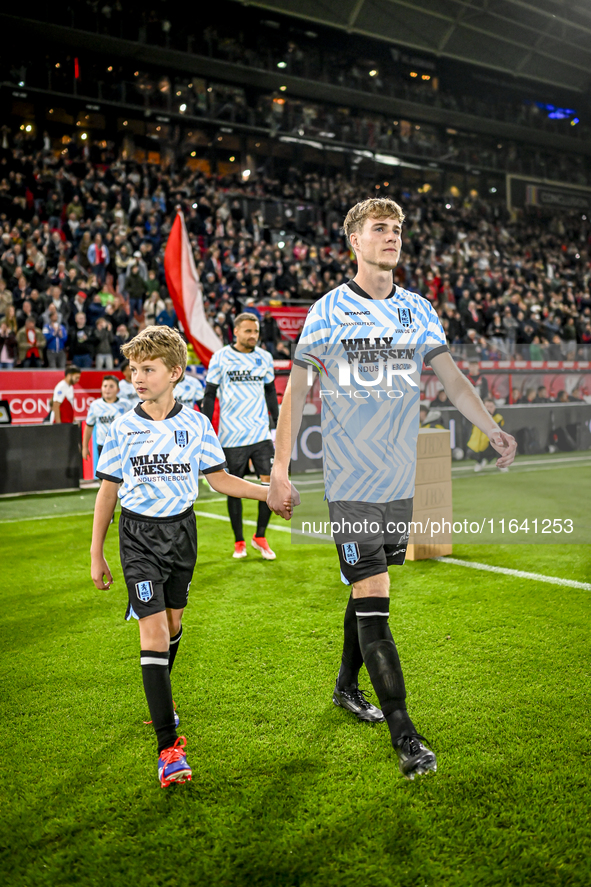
[(287, 789)]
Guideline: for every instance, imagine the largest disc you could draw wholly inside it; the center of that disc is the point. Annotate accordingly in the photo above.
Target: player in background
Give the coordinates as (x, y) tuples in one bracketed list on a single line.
[(102, 412), (369, 338), (479, 446), (127, 393), (243, 378), (190, 391), (62, 404), (151, 460)]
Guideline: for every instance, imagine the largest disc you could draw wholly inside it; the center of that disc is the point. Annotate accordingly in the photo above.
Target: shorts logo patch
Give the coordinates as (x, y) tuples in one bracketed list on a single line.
[(181, 438), (350, 552), (144, 591)]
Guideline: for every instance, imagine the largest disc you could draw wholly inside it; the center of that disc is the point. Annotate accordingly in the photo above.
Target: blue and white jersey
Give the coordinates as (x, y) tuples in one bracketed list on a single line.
[(369, 354), (158, 462), (241, 377), (101, 416), (128, 394), (189, 390)]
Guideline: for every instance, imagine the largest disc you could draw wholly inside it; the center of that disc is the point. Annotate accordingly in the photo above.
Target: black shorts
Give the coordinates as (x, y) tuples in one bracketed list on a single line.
[(370, 536), (261, 453), (158, 556)]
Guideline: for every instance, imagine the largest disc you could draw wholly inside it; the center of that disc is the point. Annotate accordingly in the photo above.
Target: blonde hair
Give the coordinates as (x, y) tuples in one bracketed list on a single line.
[(372, 208), (158, 342)]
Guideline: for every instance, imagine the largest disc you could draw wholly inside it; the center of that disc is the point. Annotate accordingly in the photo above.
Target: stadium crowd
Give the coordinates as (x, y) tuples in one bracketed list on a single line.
[(82, 245)]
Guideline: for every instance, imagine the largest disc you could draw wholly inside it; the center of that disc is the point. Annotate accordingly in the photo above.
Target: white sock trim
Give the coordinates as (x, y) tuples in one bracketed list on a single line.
[(372, 613), (151, 660)]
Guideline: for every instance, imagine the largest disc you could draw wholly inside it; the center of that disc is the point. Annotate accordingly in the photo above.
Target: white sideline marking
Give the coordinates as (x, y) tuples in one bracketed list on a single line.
[(529, 462), (18, 520), (520, 574)]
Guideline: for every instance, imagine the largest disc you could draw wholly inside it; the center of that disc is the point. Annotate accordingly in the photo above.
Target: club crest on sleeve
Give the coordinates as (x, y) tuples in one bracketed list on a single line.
[(350, 552), (405, 316), (144, 591), (181, 438)]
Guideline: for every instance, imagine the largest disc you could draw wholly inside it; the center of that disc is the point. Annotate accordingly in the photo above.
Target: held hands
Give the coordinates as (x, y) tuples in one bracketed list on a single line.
[(282, 497), (506, 445), (100, 573)]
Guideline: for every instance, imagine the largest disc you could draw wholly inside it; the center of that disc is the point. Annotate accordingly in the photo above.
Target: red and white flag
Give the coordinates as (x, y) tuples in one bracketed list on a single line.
[(186, 293)]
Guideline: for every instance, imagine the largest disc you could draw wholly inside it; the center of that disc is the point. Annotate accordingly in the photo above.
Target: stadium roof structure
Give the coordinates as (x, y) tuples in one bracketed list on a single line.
[(548, 41)]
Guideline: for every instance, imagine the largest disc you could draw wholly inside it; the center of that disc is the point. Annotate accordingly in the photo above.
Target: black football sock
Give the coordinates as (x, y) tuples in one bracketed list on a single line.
[(235, 512), (383, 665), (351, 660), (158, 692), (173, 649), (263, 518)]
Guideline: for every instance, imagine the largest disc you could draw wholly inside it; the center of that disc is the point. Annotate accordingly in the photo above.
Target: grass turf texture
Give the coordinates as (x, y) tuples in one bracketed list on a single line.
[(288, 789)]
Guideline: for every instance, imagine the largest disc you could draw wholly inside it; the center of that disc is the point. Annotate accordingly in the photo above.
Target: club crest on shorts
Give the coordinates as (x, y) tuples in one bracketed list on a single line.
[(405, 316), (350, 552), (144, 591), (181, 438)]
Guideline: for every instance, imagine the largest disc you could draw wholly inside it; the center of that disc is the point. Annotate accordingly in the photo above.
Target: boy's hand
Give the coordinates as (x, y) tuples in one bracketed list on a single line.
[(85, 452), (101, 575)]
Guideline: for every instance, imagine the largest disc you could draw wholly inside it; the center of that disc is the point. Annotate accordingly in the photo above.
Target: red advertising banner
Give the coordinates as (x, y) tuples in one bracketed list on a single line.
[(29, 393), (290, 318)]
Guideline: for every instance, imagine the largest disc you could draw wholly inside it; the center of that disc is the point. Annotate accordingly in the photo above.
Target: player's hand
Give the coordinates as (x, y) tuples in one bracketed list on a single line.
[(279, 496), (101, 575), (85, 453), (506, 445), (295, 497)]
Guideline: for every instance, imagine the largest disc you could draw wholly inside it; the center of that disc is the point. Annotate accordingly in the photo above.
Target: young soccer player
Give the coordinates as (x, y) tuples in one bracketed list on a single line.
[(101, 415), (127, 392), (243, 378), (370, 337), (151, 460)]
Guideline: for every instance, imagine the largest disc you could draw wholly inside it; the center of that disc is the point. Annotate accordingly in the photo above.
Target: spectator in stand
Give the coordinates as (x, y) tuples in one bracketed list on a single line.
[(282, 350), (542, 395), (103, 344), (516, 396), (168, 316), (99, 258), (123, 260), (135, 290), (477, 379), (63, 404), (8, 346), (270, 333), (530, 396), (153, 306), (80, 342), (441, 399), (122, 335), (56, 337), (31, 343)]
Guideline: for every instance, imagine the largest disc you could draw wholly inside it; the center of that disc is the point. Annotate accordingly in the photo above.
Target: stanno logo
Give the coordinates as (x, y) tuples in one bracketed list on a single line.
[(143, 431), (351, 313), (181, 438)]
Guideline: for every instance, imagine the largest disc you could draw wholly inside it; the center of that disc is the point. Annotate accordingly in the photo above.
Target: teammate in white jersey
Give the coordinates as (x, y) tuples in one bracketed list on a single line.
[(101, 415), (368, 339), (189, 391), (151, 460), (243, 378), (127, 392)]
